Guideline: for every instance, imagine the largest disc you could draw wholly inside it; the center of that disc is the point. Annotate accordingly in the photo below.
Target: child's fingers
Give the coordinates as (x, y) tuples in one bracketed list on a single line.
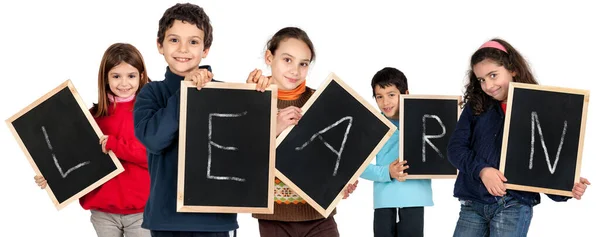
[(264, 83), (38, 178), (501, 176), (499, 190), (579, 188), (251, 76), (584, 181)]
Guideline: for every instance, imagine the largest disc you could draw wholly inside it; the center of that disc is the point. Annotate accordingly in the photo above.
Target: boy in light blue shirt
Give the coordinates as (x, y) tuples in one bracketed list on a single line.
[(399, 203)]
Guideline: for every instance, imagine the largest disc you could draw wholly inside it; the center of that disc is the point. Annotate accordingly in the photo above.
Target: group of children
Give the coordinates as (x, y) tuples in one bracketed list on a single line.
[(141, 121)]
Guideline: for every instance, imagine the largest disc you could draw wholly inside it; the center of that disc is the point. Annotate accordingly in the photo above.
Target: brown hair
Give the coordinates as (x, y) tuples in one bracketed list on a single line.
[(511, 60), (113, 56), (189, 13), (290, 32)]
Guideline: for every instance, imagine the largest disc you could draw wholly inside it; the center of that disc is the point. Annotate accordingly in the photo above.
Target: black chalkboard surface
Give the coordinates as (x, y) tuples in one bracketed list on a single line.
[(543, 138), (226, 148), (338, 136), (60, 139), (426, 124)]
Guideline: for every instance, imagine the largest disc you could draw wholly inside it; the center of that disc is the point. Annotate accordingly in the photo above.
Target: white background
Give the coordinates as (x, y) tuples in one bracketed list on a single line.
[(46, 42)]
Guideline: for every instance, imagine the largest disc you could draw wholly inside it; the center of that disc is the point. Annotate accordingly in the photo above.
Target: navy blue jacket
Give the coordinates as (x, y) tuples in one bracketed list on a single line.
[(156, 121), (475, 144)]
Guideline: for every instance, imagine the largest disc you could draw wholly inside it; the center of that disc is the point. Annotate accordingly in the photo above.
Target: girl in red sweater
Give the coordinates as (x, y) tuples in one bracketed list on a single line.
[(118, 205)]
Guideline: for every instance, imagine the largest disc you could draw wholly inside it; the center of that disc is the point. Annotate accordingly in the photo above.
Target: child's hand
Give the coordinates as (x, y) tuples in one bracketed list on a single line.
[(103, 141), (350, 189), (287, 117), (580, 187), (200, 76), (261, 81), (40, 181), (397, 170), (493, 180)]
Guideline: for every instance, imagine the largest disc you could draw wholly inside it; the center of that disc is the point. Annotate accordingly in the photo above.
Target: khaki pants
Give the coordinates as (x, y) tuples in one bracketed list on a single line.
[(116, 225)]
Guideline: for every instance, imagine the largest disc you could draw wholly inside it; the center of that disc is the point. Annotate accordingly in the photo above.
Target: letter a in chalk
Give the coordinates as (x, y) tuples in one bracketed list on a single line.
[(337, 152)]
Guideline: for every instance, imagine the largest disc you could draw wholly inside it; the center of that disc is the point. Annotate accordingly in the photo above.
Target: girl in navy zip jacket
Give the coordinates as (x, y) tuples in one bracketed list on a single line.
[(487, 208)]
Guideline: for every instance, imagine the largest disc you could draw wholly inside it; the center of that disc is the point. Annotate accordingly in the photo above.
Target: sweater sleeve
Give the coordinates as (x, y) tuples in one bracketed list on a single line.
[(155, 126), (130, 150), (460, 153), (377, 173)]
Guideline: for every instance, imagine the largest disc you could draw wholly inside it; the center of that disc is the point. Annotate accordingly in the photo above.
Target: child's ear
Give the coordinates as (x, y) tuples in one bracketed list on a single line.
[(513, 74), (159, 47), (205, 52), (268, 57), (406, 93)]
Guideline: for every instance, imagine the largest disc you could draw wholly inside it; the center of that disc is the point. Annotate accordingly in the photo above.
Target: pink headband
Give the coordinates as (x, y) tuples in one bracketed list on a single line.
[(493, 44)]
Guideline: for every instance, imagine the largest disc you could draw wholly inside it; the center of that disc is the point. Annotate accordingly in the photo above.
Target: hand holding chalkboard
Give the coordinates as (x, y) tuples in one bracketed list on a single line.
[(338, 136), (397, 169), (60, 139), (493, 180), (286, 117), (199, 77), (226, 148), (425, 122), (543, 138)]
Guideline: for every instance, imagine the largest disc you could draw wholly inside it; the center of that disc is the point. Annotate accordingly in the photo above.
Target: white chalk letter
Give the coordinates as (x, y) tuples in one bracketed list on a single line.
[(227, 148), (63, 174), (427, 137), (318, 135), (535, 120)]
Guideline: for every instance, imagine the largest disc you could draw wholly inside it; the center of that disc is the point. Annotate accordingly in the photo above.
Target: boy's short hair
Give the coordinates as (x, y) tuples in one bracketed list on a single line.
[(187, 12), (389, 76)]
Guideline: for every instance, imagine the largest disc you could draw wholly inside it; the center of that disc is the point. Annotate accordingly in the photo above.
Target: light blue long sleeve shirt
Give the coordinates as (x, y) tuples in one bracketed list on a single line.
[(389, 192)]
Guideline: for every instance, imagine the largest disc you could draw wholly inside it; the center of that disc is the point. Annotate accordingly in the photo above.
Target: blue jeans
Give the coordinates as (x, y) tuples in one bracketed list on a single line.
[(508, 217)]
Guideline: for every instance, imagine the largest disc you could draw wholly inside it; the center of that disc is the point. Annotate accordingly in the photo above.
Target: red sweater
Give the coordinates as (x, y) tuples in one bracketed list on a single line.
[(128, 192)]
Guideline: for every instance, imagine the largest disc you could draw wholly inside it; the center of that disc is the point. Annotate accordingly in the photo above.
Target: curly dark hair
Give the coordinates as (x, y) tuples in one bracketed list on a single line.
[(186, 12), (511, 60)]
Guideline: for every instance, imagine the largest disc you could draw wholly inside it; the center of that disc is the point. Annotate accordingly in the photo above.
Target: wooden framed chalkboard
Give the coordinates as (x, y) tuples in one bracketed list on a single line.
[(226, 148), (543, 138), (60, 139), (426, 124), (338, 136)]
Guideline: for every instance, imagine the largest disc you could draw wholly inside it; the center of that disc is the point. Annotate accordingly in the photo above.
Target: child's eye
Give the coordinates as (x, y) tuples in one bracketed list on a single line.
[(194, 42), (287, 60), (378, 97), (131, 76), (304, 64), (116, 76), (481, 80), (392, 95), (173, 40), (493, 75)]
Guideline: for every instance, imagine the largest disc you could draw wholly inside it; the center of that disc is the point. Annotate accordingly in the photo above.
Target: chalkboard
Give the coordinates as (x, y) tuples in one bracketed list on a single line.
[(543, 138), (426, 124), (338, 136), (60, 139), (226, 148)]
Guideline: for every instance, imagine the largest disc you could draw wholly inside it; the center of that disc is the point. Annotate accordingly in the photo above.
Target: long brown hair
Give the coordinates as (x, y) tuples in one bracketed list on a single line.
[(511, 60), (113, 56)]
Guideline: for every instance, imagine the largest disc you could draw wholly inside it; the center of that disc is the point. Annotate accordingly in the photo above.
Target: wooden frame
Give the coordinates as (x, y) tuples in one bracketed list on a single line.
[(586, 99), (181, 207), (401, 131), (88, 115), (327, 210)]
